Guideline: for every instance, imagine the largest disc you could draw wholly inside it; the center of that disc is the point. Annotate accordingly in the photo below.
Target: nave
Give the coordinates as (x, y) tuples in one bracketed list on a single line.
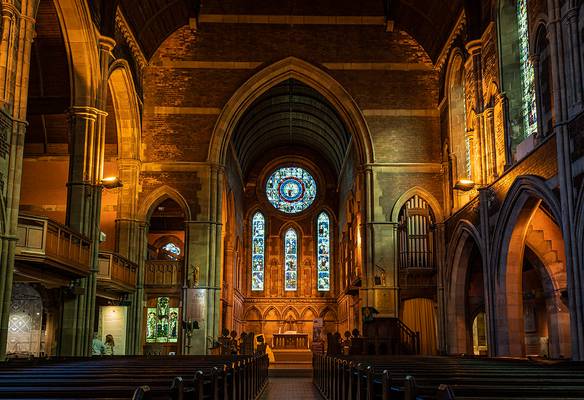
[(331, 378)]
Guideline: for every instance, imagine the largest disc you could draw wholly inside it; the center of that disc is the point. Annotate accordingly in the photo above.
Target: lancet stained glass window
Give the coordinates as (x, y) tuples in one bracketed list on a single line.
[(258, 251), (291, 260), (529, 109), (324, 252), (291, 189)]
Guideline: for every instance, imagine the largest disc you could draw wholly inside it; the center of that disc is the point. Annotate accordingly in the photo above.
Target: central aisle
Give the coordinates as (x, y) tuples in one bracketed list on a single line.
[(291, 388)]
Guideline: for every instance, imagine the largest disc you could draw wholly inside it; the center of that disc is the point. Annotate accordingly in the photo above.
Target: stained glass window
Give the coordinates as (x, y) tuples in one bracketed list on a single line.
[(529, 109), (171, 251), (324, 252), (162, 322), (291, 189), (291, 260), (257, 255)]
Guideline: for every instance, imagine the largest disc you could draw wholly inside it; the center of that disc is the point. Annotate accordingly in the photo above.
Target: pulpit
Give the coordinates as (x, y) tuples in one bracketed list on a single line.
[(290, 340)]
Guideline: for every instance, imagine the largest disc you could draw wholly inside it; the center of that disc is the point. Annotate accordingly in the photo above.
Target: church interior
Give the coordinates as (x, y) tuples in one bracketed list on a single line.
[(374, 179)]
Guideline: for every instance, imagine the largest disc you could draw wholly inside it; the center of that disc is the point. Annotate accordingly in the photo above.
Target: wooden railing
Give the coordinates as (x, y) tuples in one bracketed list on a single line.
[(117, 270), (43, 240), (163, 273)]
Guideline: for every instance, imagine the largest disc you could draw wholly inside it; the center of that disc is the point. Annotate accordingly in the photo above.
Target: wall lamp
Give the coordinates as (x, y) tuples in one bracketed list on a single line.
[(464, 185), (111, 182)]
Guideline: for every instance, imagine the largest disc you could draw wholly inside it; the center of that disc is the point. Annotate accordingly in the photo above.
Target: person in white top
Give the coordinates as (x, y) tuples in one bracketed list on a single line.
[(109, 345)]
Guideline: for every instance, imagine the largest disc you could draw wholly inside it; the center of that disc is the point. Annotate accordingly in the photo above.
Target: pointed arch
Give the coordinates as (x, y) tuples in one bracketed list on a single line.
[(157, 196), (258, 253), (252, 311), (424, 194), (290, 310), (328, 311), (323, 251), (309, 309), (127, 110), (522, 202), (459, 252), (270, 309), (291, 256), (81, 44), (290, 68)]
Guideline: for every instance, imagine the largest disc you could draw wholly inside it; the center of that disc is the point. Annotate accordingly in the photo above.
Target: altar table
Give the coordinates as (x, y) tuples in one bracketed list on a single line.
[(290, 340)]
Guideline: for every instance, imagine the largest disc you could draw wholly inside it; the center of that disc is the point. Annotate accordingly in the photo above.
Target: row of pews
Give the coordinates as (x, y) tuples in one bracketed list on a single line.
[(444, 378), (126, 377)]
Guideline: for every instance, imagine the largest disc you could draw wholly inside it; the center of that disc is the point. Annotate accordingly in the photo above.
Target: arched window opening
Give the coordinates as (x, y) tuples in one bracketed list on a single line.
[(324, 252), (416, 247), (460, 146), (170, 251), (258, 251), (517, 70), (479, 334), (545, 86), (290, 260)]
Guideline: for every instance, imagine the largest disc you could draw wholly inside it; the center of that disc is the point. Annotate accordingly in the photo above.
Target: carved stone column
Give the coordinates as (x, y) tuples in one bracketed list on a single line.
[(576, 47), (15, 51)]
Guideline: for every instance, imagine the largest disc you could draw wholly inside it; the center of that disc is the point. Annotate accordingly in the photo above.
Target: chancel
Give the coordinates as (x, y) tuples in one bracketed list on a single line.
[(291, 198)]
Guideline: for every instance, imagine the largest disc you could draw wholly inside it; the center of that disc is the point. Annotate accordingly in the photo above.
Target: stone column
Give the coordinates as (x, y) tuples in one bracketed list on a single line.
[(378, 242), (490, 146), (576, 47), (87, 147), (573, 264), (485, 202), (137, 306), (15, 51), (203, 262), (474, 86)]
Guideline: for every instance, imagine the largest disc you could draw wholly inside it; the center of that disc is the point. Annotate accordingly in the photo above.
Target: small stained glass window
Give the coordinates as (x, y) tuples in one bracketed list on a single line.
[(257, 254), (171, 250), (162, 322), (291, 189), (291, 260), (324, 252)]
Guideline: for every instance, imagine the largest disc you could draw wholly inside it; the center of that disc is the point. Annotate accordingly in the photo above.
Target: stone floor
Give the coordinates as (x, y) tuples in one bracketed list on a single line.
[(291, 389)]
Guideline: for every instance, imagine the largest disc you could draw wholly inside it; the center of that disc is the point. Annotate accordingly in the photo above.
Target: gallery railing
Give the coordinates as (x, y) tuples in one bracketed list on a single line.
[(42, 240), (116, 270), (163, 273)]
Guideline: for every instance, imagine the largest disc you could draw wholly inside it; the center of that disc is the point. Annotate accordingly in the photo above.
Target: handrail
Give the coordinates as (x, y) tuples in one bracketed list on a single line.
[(409, 337)]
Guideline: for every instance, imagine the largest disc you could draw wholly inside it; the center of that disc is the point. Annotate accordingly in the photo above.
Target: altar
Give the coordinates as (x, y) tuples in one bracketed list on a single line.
[(290, 340)]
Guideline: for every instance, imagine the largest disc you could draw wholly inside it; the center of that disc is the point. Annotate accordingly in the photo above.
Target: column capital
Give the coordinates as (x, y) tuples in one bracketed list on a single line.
[(85, 112), (474, 47), (106, 43)]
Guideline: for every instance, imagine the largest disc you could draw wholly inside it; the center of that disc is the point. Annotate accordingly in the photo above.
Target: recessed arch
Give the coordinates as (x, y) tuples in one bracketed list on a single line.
[(290, 68), (158, 196), (252, 312), (424, 194), (127, 111), (460, 249)]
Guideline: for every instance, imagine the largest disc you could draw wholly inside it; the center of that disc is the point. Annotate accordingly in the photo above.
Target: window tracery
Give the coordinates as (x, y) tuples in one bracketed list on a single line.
[(291, 189)]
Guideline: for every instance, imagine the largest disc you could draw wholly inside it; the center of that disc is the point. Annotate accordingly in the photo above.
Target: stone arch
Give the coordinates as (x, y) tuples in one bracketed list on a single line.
[(328, 311), (276, 312), (424, 194), (125, 103), (252, 312), (290, 68), (82, 50), (159, 195), (306, 313), (459, 251), (290, 311), (523, 200)]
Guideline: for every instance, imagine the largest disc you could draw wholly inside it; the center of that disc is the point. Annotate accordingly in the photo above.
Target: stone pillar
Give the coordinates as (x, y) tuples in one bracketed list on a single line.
[(474, 86), (87, 147), (15, 50), (378, 242), (575, 46), (485, 203), (573, 264), (203, 263), (137, 306), (490, 145)]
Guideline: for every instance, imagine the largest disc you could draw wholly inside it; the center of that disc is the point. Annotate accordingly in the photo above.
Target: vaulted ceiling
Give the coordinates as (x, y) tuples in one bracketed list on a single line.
[(428, 21), (294, 116)]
